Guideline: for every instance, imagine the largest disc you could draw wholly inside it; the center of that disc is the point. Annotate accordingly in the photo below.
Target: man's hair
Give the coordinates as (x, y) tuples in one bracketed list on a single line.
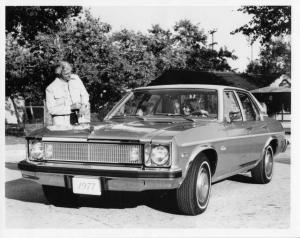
[(62, 67)]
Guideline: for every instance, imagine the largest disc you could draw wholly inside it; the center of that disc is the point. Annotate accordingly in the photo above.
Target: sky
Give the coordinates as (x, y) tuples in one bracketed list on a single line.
[(224, 18)]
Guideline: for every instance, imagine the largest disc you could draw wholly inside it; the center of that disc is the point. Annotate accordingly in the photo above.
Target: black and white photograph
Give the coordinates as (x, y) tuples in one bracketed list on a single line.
[(149, 119)]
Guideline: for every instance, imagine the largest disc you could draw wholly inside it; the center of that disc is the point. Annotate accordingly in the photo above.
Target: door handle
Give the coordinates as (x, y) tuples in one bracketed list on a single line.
[(249, 128)]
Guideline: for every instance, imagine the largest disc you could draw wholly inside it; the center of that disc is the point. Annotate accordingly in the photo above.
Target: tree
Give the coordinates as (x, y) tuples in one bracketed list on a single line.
[(30, 20), (266, 22), (274, 58), (198, 56), (188, 35), (161, 44), (136, 63)]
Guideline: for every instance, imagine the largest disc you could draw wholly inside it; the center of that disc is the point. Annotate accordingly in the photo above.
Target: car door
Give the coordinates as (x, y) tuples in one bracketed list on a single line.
[(255, 125), (232, 150)]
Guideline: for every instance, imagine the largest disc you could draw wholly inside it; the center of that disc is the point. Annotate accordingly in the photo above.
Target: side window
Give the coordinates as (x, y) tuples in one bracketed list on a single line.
[(249, 108), (232, 111)]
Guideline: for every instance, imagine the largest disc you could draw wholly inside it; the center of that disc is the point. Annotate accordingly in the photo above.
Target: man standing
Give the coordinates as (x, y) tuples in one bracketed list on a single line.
[(66, 97)]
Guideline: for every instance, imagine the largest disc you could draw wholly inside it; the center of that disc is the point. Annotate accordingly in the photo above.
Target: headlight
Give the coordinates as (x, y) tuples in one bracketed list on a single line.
[(157, 155), (36, 151)]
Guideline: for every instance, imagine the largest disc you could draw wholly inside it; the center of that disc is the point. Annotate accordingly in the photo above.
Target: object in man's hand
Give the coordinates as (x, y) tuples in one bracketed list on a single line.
[(74, 116)]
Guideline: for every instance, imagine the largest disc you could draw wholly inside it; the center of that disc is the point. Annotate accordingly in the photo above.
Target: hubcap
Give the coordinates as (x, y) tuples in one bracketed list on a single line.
[(268, 163), (203, 184)]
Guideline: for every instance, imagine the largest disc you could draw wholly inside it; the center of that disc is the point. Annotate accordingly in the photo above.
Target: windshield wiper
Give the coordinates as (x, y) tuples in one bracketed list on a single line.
[(129, 115), (180, 115)]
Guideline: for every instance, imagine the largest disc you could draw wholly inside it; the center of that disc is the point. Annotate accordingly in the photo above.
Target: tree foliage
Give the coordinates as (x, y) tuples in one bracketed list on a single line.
[(31, 20), (266, 22), (274, 58)]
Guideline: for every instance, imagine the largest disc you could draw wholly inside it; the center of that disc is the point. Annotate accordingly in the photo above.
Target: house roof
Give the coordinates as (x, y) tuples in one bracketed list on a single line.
[(245, 81), (280, 85), (272, 90)]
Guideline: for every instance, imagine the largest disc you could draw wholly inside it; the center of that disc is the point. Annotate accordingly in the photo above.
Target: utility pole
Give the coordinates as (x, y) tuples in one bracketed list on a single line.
[(212, 32)]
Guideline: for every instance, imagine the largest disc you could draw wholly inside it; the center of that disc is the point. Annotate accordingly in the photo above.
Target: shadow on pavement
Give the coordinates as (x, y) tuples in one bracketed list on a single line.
[(158, 200), (28, 191), (25, 191), (283, 160), (242, 178)]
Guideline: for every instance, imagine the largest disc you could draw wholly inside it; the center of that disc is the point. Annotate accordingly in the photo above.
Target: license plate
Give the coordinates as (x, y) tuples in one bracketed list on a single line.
[(90, 186)]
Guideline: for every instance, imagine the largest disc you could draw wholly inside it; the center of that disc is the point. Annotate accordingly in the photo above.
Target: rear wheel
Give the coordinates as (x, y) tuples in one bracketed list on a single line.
[(263, 172), (60, 196), (193, 194)]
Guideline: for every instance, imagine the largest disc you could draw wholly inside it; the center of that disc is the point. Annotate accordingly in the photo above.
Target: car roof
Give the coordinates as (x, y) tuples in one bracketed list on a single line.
[(190, 86)]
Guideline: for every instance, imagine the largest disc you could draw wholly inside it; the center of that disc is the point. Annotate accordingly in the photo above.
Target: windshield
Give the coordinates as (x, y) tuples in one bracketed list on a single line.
[(201, 103)]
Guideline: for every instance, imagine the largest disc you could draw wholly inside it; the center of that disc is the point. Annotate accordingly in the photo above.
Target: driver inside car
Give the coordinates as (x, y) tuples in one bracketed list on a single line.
[(193, 108)]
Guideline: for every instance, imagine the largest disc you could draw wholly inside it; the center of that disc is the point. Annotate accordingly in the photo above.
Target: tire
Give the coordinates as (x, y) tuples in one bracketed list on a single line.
[(193, 194), (263, 172), (60, 196)]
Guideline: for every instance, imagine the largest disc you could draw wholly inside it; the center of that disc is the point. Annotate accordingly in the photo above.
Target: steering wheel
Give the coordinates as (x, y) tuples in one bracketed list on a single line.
[(200, 113)]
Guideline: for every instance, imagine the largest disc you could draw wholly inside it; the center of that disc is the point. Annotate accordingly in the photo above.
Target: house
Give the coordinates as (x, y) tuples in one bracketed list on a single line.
[(277, 98)]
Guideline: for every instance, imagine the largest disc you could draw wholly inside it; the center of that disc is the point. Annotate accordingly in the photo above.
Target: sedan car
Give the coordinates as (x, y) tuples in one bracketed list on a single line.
[(180, 138)]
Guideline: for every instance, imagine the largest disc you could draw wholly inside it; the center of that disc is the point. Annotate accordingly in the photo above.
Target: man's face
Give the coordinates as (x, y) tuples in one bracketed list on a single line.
[(186, 110), (66, 74)]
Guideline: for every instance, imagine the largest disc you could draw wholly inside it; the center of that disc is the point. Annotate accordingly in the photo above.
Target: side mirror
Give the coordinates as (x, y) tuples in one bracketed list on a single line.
[(234, 116)]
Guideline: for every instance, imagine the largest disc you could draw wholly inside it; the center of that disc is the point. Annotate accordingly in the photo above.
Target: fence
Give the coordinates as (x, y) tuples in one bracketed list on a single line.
[(282, 116), (285, 119)]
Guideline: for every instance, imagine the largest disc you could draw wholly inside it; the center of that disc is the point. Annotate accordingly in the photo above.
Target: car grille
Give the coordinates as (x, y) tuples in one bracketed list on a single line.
[(94, 152)]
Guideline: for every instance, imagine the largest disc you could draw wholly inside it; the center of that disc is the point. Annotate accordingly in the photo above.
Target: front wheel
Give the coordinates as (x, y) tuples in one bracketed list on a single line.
[(193, 194), (263, 172)]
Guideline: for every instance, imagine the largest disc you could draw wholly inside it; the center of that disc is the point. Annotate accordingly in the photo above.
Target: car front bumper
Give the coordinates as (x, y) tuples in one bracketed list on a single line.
[(112, 178)]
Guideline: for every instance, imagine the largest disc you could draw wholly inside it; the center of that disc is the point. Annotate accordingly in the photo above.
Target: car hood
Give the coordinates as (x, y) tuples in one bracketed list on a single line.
[(126, 130), (136, 130)]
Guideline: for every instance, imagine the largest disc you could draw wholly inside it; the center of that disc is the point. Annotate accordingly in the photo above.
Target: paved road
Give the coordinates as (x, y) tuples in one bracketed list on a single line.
[(235, 203)]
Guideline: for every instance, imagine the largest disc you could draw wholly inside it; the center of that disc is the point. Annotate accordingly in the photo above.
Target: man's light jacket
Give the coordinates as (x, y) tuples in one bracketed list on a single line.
[(60, 95)]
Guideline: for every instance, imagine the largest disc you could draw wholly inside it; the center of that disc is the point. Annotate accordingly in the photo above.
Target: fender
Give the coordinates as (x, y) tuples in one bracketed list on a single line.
[(264, 148), (197, 150)]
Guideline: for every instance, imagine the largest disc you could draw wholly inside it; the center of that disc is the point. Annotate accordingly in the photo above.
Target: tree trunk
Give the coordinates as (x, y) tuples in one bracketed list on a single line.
[(16, 110)]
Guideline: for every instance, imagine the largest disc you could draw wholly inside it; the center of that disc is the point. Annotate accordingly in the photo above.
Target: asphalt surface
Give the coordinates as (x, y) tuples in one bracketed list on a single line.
[(234, 203)]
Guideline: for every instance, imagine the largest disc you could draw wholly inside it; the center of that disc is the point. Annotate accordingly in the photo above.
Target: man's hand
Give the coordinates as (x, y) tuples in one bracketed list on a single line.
[(76, 106), (83, 109)]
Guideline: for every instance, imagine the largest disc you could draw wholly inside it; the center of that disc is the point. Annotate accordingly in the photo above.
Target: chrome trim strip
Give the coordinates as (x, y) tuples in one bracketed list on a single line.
[(230, 138), (131, 142), (102, 167), (227, 175), (60, 139), (88, 166)]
